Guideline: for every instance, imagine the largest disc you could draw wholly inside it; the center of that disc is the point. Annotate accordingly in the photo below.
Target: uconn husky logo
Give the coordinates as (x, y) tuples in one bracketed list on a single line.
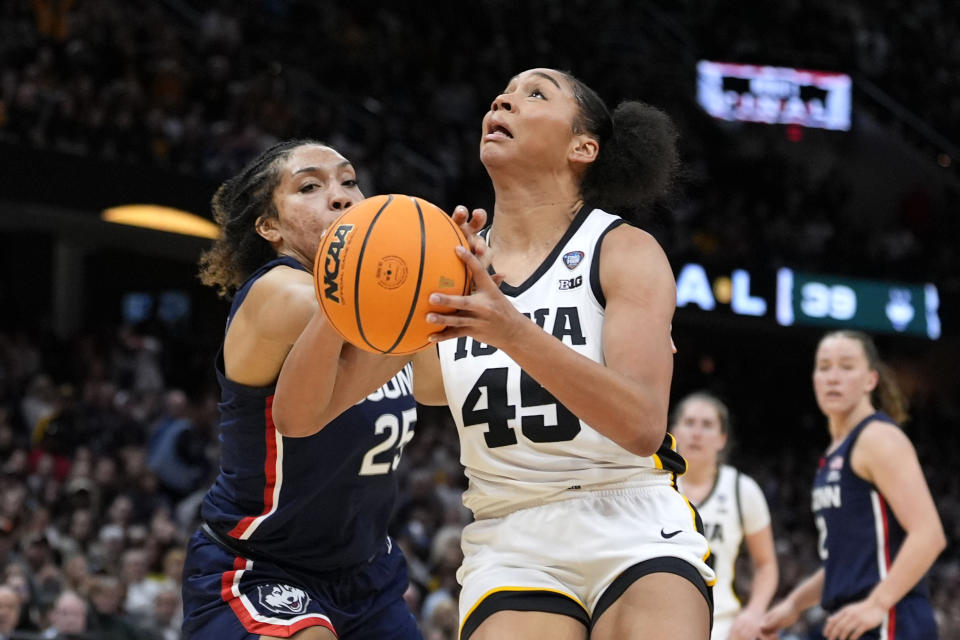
[(282, 598)]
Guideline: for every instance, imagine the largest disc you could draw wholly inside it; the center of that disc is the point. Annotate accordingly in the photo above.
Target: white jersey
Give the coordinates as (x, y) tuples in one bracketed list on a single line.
[(519, 446), (734, 508)]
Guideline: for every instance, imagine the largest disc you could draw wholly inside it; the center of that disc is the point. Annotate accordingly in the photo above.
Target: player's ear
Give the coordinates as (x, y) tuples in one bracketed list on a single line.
[(268, 227), (583, 149)]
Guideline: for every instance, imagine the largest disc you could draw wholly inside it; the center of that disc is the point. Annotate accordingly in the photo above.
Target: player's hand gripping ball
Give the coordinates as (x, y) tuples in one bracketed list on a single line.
[(377, 265)]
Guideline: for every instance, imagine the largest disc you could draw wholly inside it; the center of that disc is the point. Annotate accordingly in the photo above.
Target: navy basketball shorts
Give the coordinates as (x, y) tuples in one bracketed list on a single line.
[(228, 597)]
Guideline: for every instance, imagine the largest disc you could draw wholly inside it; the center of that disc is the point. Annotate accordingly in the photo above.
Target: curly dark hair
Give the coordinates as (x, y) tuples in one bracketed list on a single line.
[(237, 204), (638, 157)]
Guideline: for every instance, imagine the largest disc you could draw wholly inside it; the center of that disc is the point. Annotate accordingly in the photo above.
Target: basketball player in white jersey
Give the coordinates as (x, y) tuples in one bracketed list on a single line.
[(557, 371), (734, 511)]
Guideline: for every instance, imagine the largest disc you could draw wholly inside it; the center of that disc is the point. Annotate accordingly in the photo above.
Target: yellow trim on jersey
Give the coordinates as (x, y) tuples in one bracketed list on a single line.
[(733, 579), (673, 447), (693, 514), (499, 589)]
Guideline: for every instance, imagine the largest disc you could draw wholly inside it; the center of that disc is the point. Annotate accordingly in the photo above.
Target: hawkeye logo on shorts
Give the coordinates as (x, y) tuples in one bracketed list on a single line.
[(282, 598), (572, 259), (572, 283), (331, 265)]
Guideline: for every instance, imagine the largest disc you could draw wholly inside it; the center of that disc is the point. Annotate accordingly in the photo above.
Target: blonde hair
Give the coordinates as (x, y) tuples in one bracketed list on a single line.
[(722, 411), (723, 414)]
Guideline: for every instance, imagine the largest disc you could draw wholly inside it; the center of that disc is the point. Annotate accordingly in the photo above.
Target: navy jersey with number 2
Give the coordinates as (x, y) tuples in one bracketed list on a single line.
[(859, 539)]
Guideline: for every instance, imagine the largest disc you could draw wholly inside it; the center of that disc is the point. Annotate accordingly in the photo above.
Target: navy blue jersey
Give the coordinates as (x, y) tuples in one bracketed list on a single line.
[(321, 502), (859, 534)]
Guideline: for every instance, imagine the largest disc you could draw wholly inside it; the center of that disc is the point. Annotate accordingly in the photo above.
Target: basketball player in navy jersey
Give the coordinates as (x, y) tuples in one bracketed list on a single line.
[(733, 510), (879, 528), (557, 371), (294, 537)]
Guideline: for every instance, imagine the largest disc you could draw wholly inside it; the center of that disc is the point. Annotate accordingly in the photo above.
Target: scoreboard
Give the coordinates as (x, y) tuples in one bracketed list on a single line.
[(790, 298), (774, 95)]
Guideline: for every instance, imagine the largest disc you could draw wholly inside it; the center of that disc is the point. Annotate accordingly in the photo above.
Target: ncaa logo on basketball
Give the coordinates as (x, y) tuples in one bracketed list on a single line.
[(572, 259), (282, 598), (331, 265)]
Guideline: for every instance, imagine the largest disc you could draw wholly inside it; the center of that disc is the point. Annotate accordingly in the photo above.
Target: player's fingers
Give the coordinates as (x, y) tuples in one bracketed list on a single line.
[(830, 628), (478, 219), (478, 246), (447, 334), (460, 215), (450, 320), (481, 278), (447, 300), (838, 626)]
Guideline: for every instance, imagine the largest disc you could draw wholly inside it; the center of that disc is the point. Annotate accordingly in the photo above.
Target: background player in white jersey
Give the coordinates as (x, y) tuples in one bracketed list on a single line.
[(733, 510), (879, 527)]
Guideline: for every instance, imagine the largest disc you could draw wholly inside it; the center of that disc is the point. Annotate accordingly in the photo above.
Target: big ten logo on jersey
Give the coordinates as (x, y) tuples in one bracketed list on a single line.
[(564, 325), (571, 283), (713, 531)]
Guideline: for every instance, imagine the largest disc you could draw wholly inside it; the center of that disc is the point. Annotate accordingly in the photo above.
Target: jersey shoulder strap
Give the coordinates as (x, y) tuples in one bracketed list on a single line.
[(736, 491)]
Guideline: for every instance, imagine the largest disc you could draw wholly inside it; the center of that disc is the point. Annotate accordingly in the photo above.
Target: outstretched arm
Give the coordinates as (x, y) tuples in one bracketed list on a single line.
[(323, 376)]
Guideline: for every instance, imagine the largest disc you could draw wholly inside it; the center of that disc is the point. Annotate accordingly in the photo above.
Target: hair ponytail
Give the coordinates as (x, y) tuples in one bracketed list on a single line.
[(888, 396), (638, 159)]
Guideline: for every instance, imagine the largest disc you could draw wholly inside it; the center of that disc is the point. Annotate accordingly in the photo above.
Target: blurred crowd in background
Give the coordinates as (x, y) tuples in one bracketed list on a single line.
[(104, 463), (400, 89), (104, 466)]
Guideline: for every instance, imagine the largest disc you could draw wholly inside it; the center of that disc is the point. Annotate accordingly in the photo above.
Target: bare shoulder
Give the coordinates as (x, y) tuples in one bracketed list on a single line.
[(633, 259), (280, 303), (881, 447), (282, 285), (882, 438)]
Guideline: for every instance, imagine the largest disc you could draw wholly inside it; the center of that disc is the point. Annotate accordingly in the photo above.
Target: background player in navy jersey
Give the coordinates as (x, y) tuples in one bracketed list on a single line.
[(293, 541), (557, 371), (879, 527), (733, 510)]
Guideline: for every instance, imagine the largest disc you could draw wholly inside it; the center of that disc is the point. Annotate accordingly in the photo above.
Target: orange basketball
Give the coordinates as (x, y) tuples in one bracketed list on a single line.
[(377, 265)]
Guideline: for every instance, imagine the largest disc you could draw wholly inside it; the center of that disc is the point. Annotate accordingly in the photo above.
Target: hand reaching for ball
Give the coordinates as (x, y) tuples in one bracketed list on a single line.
[(471, 223), (485, 315)]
